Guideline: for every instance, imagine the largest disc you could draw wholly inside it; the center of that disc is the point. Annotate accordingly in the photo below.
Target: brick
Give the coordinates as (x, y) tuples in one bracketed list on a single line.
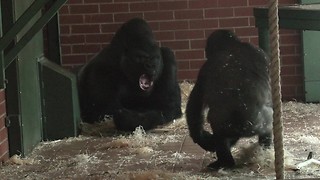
[(291, 60), (174, 25), (123, 17), (72, 39), (191, 54), (189, 34), (83, 9), (2, 109), (189, 14), (114, 8), (85, 29), (257, 2), (187, 74), (87, 48), (65, 29), (144, 6), (155, 26), (234, 22), (98, 38), (2, 123), (2, 95), (74, 2), (243, 11), (254, 40), (196, 4), (219, 12), (196, 64), (291, 80), (64, 10), (290, 39), (287, 2), (198, 44), (203, 24), (288, 90), (4, 150), (71, 19), (183, 65), (232, 3), (164, 35), (110, 28), (65, 49), (299, 70), (173, 5), (73, 59), (159, 15), (288, 70), (176, 44), (98, 18), (287, 50), (97, 1), (130, 0), (246, 31)]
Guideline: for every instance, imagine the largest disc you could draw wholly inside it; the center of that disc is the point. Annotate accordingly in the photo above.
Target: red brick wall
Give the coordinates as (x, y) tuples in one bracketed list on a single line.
[(4, 148), (183, 25)]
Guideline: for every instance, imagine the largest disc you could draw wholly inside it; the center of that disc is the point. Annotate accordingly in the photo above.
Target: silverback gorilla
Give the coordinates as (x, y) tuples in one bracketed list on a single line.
[(234, 84), (132, 79)]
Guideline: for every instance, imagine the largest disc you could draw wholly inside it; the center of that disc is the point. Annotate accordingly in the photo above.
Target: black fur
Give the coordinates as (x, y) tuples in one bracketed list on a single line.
[(234, 84), (132, 79)]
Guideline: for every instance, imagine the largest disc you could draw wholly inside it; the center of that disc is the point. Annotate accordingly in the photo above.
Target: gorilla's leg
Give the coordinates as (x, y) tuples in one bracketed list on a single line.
[(223, 151)]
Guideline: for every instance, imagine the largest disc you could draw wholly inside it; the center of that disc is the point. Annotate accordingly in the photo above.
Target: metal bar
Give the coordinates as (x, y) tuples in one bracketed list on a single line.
[(2, 83), (21, 22), (32, 31)]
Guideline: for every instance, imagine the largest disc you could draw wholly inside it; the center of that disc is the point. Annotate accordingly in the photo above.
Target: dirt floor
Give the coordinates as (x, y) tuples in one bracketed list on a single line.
[(168, 153)]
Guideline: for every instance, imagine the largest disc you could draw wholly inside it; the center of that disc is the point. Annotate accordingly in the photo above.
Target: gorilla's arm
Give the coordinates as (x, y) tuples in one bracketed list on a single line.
[(168, 95), (195, 118)]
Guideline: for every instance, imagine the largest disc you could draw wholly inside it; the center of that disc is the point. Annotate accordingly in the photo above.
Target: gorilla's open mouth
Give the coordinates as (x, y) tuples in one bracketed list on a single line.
[(145, 82)]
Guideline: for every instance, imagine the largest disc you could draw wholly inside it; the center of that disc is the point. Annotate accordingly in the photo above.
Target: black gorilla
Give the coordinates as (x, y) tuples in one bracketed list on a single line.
[(234, 84), (132, 79)]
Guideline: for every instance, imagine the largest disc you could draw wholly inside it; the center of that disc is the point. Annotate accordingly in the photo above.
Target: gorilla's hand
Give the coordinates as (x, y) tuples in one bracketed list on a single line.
[(128, 120)]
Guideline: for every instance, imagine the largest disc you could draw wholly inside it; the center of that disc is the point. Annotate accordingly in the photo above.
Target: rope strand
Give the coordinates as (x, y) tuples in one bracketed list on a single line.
[(276, 88)]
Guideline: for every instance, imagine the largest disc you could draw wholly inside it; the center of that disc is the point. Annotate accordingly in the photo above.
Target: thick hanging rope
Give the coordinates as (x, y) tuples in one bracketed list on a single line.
[(276, 88)]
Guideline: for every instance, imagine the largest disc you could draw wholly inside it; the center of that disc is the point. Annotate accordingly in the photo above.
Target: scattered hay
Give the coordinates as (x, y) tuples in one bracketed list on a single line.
[(101, 129), (144, 151), (150, 175), (117, 143), (85, 159), (17, 160), (255, 155)]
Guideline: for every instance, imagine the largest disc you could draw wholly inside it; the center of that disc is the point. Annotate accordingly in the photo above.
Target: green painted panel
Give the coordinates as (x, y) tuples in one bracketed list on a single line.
[(311, 57), (28, 82), (312, 93), (61, 114)]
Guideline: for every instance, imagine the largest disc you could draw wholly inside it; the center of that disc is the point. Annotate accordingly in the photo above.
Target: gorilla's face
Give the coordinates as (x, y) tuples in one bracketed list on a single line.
[(142, 67)]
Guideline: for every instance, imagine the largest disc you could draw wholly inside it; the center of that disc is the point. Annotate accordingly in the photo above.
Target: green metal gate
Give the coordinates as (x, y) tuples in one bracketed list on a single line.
[(32, 102), (311, 57), (23, 89)]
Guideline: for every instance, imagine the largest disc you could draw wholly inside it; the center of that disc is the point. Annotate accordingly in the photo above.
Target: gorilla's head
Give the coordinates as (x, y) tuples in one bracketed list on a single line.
[(142, 66), (220, 40)]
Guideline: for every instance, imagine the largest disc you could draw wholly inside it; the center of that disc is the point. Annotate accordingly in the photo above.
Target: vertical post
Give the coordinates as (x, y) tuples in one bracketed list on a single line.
[(2, 81)]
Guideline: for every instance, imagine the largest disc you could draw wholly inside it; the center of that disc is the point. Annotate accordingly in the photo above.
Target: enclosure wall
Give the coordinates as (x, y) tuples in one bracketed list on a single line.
[(88, 25), (4, 148)]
